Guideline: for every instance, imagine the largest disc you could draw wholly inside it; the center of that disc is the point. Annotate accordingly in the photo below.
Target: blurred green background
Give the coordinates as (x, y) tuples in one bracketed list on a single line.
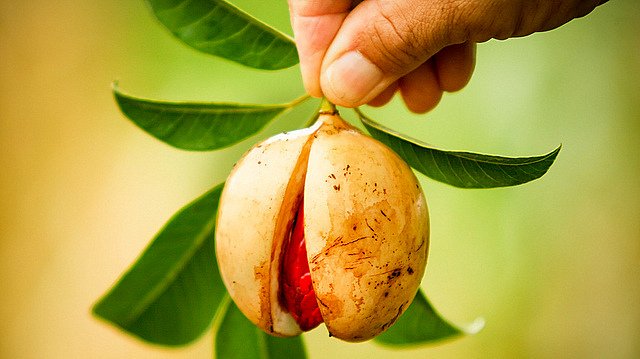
[(553, 266)]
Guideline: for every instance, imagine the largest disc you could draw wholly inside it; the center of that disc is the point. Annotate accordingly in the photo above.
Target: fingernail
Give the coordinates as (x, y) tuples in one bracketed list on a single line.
[(351, 78)]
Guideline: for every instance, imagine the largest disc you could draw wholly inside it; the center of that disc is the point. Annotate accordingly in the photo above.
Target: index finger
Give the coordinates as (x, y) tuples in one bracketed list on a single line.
[(315, 23)]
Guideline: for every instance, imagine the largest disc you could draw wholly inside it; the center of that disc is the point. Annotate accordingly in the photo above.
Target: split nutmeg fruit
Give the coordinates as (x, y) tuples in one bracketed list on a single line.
[(323, 224)]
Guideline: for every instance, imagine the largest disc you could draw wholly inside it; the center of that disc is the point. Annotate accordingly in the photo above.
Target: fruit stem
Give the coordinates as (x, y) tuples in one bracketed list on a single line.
[(328, 108)]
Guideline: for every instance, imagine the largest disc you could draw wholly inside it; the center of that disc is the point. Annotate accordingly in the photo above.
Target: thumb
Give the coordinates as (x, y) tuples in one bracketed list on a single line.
[(381, 41)]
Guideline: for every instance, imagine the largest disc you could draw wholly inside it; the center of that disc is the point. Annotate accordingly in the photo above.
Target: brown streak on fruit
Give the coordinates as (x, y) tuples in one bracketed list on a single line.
[(394, 273), (353, 241), (321, 302), (393, 320), (318, 258), (261, 274), (334, 305), (336, 242), (367, 223)]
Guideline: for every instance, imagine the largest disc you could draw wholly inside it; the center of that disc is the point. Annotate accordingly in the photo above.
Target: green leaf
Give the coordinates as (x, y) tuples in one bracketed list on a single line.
[(218, 28), (238, 338), (198, 126), (170, 294), (421, 324), (462, 169)]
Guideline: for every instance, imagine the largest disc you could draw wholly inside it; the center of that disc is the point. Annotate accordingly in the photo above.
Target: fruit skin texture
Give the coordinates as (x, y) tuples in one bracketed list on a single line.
[(366, 228)]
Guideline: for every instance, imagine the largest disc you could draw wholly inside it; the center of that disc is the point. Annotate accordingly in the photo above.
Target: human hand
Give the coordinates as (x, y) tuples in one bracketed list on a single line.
[(357, 52)]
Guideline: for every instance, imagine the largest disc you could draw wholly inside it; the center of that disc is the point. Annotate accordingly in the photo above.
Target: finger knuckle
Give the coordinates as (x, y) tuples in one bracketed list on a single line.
[(484, 20), (393, 43)]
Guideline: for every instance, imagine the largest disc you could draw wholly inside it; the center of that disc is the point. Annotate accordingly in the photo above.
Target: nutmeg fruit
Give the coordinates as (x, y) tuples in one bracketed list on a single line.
[(323, 224)]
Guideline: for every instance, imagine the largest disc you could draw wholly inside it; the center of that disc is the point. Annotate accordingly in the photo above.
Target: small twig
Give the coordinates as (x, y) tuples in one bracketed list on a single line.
[(328, 108)]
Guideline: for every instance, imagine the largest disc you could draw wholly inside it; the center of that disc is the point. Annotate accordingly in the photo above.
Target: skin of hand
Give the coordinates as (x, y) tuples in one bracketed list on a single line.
[(358, 52)]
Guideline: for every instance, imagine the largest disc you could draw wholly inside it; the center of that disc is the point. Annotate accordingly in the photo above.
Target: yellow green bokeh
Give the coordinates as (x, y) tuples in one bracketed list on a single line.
[(552, 266)]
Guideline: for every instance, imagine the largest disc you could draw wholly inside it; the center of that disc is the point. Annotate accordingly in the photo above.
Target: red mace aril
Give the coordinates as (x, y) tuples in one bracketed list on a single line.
[(322, 225), (297, 290)]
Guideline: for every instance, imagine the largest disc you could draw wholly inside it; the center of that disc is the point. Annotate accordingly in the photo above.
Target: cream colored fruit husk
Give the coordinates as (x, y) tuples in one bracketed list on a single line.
[(366, 227)]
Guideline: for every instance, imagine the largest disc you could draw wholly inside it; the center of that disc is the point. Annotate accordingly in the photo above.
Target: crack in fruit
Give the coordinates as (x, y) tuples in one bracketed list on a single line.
[(295, 280)]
